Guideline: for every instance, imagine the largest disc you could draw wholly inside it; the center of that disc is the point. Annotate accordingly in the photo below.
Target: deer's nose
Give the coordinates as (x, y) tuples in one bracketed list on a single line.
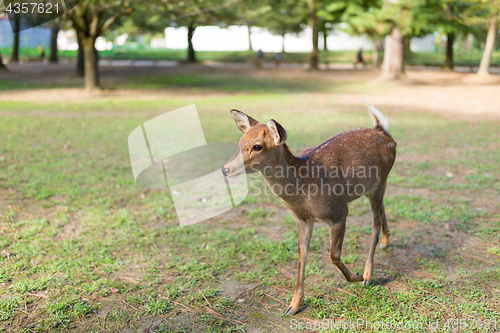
[(225, 171)]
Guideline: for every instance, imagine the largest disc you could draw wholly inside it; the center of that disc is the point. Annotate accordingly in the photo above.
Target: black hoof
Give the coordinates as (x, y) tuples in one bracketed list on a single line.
[(291, 311)]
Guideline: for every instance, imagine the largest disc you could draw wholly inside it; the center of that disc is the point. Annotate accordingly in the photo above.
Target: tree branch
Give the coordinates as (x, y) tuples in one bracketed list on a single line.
[(77, 17), (94, 24), (109, 22)]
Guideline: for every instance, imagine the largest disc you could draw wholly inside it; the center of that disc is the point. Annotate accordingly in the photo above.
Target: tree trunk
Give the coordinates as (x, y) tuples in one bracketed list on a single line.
[(488, 48), (315, 31), (53, 43), (448, 64), (469, 42), (191, 56), (15, 47), (91, 63), (406, 51), (479, 41), (2, 66), (325, 35), (374, 52), (392, 68), (283, 44), (80, 67), (249, 38)]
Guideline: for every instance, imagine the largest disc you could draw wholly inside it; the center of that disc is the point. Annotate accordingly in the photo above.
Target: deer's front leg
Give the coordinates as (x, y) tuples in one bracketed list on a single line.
[(305, 233)]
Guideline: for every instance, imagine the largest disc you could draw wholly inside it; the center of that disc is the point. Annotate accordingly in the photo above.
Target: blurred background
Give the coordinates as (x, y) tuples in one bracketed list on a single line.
[(445, 34), (84, 249)]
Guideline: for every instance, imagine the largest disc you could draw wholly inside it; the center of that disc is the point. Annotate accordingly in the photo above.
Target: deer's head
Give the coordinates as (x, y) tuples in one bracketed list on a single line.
[(260, 145)]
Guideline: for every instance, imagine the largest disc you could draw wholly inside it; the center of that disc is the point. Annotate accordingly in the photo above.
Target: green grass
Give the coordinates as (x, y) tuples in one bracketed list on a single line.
[(88, 250), (124, 53), (225, 83), (472, 58)]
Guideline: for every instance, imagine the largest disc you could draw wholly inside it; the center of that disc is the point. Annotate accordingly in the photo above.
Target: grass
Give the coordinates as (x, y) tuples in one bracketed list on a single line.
[(87, 250), (472, 58), (123, 53), (229, 83)]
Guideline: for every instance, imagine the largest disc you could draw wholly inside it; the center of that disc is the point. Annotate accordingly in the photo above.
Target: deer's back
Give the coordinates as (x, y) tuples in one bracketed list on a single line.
[(360, 147)]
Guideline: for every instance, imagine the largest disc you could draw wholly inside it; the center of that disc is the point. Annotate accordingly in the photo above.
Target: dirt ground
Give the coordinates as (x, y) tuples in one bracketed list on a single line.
[(412, 243), (426, 91)]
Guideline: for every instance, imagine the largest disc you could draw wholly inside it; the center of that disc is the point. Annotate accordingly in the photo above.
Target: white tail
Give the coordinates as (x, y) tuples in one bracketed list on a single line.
[(379, 120)]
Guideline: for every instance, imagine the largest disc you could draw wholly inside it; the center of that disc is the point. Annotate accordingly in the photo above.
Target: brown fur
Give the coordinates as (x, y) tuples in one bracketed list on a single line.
[(359, 148)]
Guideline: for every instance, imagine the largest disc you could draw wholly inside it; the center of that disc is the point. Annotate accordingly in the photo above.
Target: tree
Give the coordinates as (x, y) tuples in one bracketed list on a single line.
[(313, 7), (488, 48), (366, 21), (484, 13), (322, 12), (80, 63), (190, 14), (2, 66), (56, 25), (15, 47), (91, 18), (441, 15), (283, 17), (25, 19), (201, 12), (326, 28), (252, 13), (392, 67), (399, 15)]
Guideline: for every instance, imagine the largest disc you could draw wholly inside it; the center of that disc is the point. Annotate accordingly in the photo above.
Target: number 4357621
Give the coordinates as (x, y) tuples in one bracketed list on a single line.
[(471, 324), (32, 7)]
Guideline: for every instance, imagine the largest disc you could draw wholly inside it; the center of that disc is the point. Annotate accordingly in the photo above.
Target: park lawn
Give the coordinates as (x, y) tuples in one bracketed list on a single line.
[(127, 53), (86, 250), (471, 58)]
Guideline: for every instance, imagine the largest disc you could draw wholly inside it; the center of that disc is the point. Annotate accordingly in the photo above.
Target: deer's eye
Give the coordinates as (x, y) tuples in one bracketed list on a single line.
[(257, 147)]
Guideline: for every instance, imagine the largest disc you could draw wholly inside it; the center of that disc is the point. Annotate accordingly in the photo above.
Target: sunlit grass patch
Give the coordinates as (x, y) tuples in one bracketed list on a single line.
[(413, 207)]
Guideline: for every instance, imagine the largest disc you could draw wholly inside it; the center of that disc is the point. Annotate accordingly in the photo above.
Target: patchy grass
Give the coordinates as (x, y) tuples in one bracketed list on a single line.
[(85, 249)]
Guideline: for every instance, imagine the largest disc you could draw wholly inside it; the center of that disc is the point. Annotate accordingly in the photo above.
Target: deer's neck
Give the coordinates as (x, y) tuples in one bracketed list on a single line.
[(284, 171)]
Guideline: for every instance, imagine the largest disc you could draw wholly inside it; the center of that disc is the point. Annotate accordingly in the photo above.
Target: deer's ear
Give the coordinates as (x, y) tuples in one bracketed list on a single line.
[(277, 132), (243, 121)]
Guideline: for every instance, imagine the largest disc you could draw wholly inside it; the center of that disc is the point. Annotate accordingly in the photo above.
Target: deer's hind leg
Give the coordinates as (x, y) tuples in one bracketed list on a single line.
[(337, 231), (384, 241), (379, 222)]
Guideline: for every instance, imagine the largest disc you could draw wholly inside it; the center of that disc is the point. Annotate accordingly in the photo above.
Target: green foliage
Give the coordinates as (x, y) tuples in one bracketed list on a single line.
[(361, 21), (284, 17), (440, 15)]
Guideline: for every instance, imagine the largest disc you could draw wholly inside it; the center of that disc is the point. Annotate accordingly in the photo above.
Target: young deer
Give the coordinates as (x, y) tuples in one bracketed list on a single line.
[(317, 184)]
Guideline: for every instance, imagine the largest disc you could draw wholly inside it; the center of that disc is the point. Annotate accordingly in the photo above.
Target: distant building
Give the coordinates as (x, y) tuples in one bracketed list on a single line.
[(27, 38)]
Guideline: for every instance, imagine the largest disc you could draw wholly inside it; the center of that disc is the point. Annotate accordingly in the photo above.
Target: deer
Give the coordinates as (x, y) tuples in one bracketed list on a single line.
[(317, 184)]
